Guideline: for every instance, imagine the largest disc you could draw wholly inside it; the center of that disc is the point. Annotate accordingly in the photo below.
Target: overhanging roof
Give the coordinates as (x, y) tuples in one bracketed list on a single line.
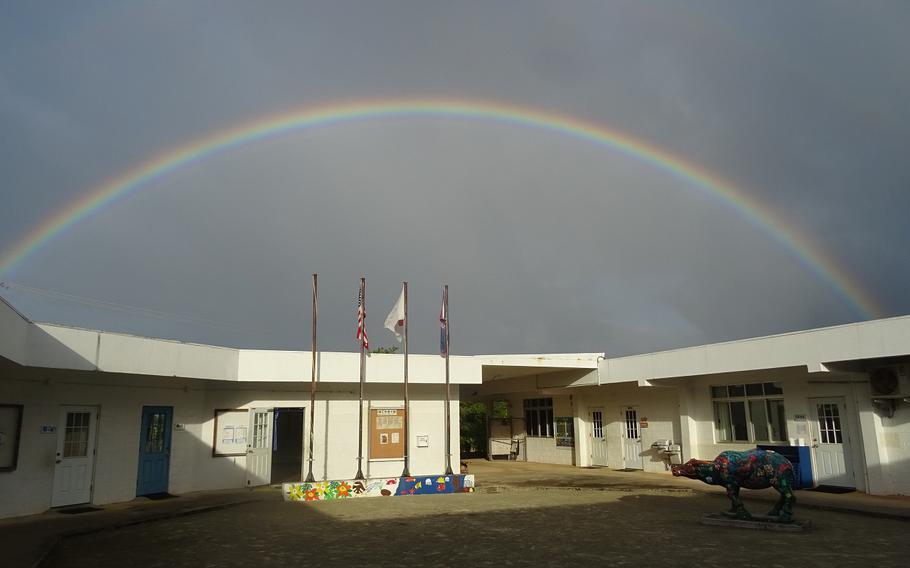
[(52, 346), (814, 349)]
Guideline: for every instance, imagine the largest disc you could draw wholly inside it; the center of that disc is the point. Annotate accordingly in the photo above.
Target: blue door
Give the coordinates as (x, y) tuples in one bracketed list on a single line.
[(154, 449)]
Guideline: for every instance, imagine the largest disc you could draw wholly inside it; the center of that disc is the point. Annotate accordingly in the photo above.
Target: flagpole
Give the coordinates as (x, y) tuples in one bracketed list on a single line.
[(363, 300), (407, 407), (309, 475), (445, 301)]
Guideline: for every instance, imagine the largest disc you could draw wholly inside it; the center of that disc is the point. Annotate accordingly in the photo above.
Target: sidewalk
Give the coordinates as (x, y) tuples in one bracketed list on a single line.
[(547, 476), (26, 541)]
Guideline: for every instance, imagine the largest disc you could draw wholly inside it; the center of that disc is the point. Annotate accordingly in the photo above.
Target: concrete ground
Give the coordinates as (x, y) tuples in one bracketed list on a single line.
[(523, 514), (523, 474)]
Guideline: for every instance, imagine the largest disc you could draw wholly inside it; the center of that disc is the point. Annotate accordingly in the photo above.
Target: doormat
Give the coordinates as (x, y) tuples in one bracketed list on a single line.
[(159, 496), (628, 469), (833, 489), (77, 510)]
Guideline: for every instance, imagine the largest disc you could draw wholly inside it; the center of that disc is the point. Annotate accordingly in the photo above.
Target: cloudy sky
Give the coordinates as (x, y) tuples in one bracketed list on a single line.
[(548, 242)]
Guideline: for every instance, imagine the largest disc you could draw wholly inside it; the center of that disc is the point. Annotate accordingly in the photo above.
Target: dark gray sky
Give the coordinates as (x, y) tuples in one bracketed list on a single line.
[(548, 243)]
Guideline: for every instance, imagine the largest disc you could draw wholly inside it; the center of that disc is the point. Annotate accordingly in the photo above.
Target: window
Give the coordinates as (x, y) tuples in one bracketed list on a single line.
[(154, 436), (75, 435), (749, 413), (829, 424), (565, 431), (539, 417)]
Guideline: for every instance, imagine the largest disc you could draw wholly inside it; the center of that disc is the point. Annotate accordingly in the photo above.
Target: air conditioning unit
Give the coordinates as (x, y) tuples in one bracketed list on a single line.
[(890, 382)]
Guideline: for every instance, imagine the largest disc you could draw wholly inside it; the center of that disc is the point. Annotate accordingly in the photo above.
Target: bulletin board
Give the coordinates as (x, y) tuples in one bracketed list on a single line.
[(231, 431), (387, 433)]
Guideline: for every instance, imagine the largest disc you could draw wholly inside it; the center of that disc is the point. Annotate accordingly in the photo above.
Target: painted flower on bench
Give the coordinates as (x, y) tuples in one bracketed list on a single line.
[(343, 489), (296, 492), (311, 495)]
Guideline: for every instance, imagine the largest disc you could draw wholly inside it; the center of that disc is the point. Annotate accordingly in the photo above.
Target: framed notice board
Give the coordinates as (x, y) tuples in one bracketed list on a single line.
[(387, 433)]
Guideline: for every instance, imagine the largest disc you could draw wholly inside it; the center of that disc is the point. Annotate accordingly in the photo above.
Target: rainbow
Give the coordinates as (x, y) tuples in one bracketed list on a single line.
[(694, 177)]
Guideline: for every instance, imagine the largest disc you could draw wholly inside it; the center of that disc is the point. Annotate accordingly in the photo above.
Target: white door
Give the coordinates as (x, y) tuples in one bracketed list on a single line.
[(597, 439), (75, 460), (631, 439), (259, 448), (831, 443)]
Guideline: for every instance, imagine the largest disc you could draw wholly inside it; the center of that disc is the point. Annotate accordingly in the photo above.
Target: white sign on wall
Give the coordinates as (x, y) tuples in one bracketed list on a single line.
[(230, 432)]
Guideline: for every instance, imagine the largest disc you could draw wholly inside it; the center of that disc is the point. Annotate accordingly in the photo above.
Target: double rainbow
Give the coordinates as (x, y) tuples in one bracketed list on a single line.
[(694, 177)]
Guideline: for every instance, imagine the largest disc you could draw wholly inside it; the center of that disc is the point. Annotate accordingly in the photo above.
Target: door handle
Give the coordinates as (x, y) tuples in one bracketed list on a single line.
[(57, 461)]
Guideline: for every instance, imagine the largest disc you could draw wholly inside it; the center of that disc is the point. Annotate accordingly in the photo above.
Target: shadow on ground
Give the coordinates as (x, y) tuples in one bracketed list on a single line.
[(512, 527)]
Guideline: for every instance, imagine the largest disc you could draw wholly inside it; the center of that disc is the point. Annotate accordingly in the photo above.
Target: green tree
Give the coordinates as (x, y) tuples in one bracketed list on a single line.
[(473, 427)]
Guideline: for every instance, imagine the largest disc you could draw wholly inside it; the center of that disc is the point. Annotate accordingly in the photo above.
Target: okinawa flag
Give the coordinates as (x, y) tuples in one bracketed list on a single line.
[(394, 322), (361, 320), (444, 326)]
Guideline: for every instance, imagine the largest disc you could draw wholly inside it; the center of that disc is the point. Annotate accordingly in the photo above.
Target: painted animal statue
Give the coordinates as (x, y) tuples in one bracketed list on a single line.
[(752, 469)]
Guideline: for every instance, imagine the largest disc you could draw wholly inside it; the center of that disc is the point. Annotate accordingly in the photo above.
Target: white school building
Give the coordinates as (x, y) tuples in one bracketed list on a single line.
[(839, 397), (92, 417)]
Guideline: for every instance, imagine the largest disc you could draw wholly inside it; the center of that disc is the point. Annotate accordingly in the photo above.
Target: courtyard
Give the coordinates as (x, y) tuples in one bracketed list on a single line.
[(521, 515)]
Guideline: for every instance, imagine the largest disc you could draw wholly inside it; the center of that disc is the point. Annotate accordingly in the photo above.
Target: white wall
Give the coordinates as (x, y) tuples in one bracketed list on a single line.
[(28, 488), (657, 404), (275, 366), (335, 440), (896, 446)]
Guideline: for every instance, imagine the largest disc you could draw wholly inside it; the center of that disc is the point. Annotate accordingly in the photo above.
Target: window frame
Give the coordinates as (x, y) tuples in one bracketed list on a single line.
[(539, 417), (566, 437), (772, 391)]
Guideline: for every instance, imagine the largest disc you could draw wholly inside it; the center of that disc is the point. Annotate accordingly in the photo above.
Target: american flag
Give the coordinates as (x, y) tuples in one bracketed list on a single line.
[(361, 320), (443, 327)]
